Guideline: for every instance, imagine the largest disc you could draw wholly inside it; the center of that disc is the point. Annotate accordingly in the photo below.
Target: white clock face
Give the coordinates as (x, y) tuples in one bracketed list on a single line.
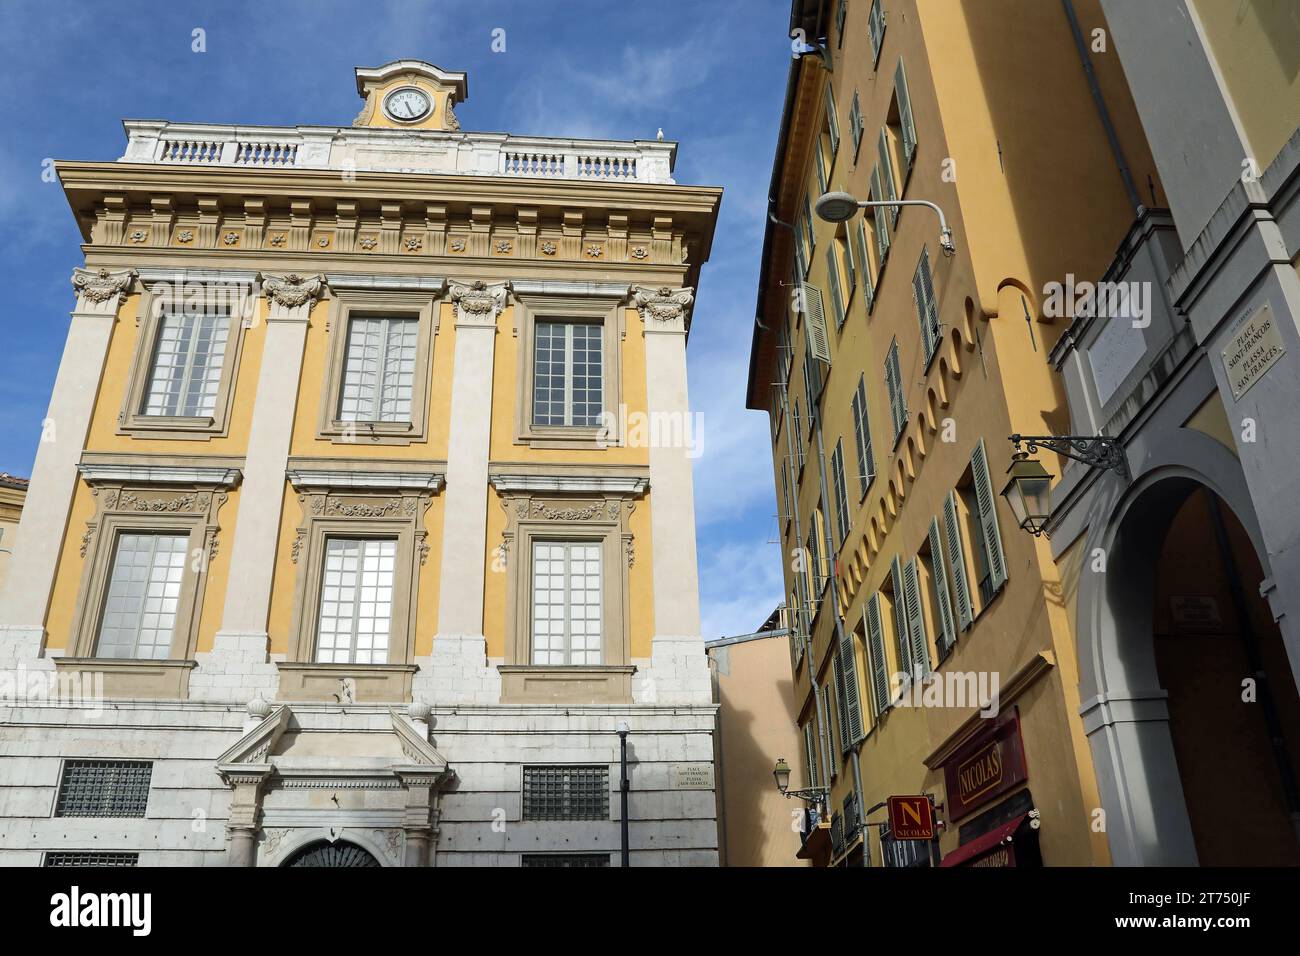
[(407, 104)]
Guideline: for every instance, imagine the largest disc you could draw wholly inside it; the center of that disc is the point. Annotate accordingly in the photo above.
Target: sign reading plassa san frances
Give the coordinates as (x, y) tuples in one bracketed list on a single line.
[(1251, 350), (989, 765)]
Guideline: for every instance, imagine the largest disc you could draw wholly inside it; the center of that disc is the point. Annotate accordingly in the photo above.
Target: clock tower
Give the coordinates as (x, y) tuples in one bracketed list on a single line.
[(410, 94)]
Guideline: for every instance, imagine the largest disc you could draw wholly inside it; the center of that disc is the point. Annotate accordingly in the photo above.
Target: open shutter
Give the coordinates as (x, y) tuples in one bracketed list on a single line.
[(876, 655), (901, 637), (876, 29), (905, 114), (862, 426), (863, 269), (878, 217), (810, 753), (832, 123), (927, 311), (987, 502), (920, 641), (894, 381), (855, 122), (818, 342), (947, 628), (887, 175), (832, 764), (852, 705), (957, 562), (837, 292)]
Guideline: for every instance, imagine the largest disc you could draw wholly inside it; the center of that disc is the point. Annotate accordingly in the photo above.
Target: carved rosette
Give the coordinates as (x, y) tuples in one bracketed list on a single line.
[(478, 303), (291, 292), (101, 290), (665, 306)]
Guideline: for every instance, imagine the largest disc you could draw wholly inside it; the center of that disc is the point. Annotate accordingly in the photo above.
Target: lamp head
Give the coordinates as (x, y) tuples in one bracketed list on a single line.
[(836, 207), (782, 774)]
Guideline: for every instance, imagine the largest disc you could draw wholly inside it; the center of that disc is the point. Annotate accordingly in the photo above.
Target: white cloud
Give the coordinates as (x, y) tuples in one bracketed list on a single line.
[(740, 584)]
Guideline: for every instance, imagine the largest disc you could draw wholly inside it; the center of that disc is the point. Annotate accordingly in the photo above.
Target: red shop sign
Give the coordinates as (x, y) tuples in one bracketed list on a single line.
[(911, 818), (989, 765)]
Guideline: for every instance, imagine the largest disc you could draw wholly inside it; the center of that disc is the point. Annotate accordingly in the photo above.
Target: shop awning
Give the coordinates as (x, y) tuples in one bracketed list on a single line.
[(983, 844)]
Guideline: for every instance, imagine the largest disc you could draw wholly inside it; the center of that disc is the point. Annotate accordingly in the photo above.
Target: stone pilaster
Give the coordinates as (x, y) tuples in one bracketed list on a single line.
[(464, 538), (100, 294), (240, 646)]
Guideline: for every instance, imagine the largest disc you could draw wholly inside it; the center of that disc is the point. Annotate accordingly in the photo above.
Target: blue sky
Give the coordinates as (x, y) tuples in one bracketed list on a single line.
[(711, 73)]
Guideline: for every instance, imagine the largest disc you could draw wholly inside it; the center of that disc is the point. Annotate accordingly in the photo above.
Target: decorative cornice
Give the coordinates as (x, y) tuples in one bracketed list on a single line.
[(292, 290), (596, 290), (219, 476), (594, 484), (379, 480), (367, 282), (102, 286), (478, 301), (664, 304)]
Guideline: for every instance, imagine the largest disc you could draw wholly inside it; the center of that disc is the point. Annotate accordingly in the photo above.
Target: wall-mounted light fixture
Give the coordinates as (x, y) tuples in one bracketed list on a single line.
[(841, 207), (1029, 485)]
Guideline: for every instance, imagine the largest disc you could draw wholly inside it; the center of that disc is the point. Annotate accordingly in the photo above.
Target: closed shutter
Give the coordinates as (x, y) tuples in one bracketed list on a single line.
[(832, 123), (855, 122), (864, 264), (987, 502), (908, 128), (927, 310), (901, 638), (832, 764), (878, 217), (862, 430), (848, 259), (841, 705), (837, 292), (920, 640), (876, 655), (948, 630), (852, 706), (887, 175), (800, 255), (818, 342), (876, 29), (957, 562), (894, 382), (810, 753), (842, 518)]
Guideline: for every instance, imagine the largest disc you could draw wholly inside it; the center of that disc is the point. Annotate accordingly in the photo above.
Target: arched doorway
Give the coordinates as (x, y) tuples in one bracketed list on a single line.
[(324, 853), (1197, 748)]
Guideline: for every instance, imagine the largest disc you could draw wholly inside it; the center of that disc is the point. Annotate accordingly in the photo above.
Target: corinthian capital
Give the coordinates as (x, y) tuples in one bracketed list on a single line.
[(292, 291), (664, 305), (478, 301), (100, 289)]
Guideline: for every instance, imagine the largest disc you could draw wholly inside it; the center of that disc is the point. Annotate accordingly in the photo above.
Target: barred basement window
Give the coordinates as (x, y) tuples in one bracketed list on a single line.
[(91, 858), (564, 859), (566, 793), (104, 788)]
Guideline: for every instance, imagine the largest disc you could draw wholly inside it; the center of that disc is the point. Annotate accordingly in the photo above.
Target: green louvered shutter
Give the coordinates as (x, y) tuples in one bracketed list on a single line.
[(832, 123), (864, 264), (818, 342), (900, 616), (887, 175), (987, 502), (948, 629), (841, 705), (878, 215), (927, 310), (876, 653), (837, 292), (906, 125), (957, 562), (810, 753), (920, 641), (852, 695)]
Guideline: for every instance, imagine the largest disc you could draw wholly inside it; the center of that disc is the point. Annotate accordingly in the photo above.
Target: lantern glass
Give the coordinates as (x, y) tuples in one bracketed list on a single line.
[(782, 774), (1029, 493)]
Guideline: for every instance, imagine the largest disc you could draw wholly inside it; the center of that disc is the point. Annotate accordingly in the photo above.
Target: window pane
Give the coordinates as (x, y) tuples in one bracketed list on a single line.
[(187, 362), (356, 601), (144, 591), (566, 602), (568, 373), (378, 370)]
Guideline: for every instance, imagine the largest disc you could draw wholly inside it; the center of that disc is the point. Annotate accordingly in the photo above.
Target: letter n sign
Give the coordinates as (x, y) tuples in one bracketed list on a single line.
[(911, 818)]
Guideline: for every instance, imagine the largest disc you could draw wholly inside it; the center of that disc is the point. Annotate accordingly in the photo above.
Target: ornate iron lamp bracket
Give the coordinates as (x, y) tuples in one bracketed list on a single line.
[(1096, 451)]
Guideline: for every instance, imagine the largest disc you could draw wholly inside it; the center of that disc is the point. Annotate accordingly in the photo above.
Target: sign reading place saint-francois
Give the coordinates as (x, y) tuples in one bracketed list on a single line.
[(1251, 350)]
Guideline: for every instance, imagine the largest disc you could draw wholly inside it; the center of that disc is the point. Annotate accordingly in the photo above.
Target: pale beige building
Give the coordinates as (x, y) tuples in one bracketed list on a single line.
[(13, 491)]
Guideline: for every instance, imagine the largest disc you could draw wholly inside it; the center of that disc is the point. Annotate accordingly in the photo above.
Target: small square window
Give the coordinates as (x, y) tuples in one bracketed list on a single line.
[(566, 793), (104, 788)]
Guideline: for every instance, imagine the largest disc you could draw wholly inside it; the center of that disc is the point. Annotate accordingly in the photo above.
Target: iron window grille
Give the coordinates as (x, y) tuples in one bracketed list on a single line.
[(104, 788), (91, 858), (566, 793), (564, 859)]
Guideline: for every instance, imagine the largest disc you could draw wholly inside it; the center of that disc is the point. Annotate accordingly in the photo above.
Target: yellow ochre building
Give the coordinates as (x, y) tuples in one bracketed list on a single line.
[(364, 503)]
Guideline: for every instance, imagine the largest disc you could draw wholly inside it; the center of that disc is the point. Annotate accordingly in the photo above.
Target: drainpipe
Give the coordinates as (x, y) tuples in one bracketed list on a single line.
[(1102, 111)]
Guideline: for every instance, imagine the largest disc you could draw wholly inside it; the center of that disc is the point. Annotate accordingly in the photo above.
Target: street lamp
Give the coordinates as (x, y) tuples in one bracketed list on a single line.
[(781, 772), (624, 785), (842, 206), (1028, 491)]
